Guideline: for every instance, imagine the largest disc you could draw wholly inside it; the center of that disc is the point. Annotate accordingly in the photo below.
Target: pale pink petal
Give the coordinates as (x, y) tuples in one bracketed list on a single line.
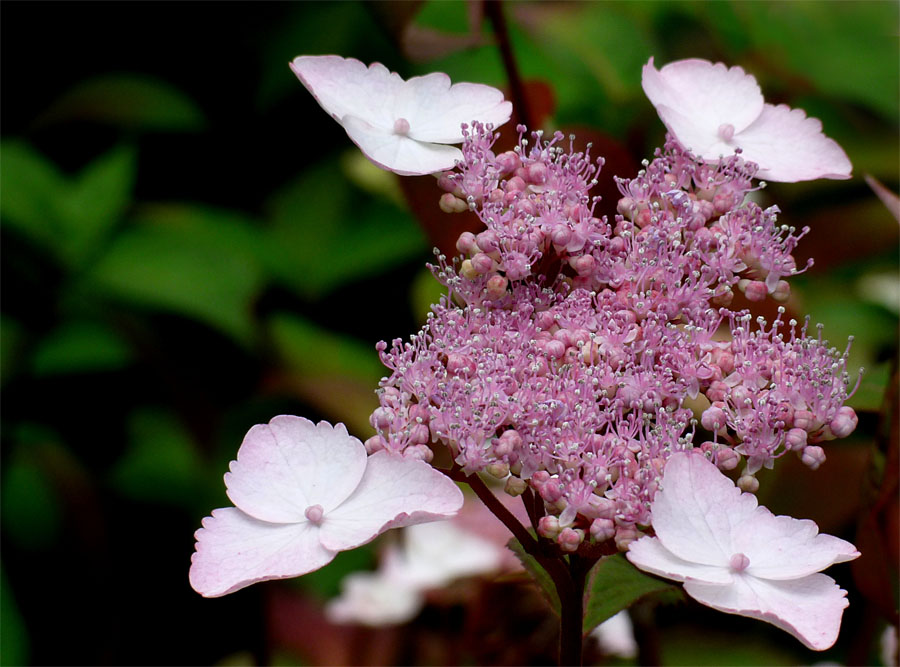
[(696, 98), (399, 153), (394, 491), (345, 86), (781, 547), (809, 608), (790, 147), (648, 554), (290, 463), (696, 509), (370, 598), (436, 110), (434, 554), (234, 550)]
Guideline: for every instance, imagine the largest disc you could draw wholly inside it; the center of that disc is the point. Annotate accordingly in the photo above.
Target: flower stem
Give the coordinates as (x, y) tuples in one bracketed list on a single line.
[(494, 11)]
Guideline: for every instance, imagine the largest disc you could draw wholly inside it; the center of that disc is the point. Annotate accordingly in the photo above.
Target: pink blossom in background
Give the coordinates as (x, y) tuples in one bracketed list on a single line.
[(713, 109), (401, 126), (738, 557), (303, 492)]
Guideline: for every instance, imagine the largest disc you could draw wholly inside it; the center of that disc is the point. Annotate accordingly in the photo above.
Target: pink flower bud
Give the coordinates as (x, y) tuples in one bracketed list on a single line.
[(496, 287), (550, 491), (536, 173), (481, 263), (844, 422), (561, 235), (419, 434), (375, 444), (583, 265), (515, 184), (548, 526), (488, 241), (555, 349), (625, 535), (727, 458), (713, 419), (452, 204), (804, 419), (419, 453), (498, 470), (466, 243), (795, 439), (570, 538), (813, 456), (782, 291), (508, 162), (718, 391), (754, 290), (602, 530), (460, 364)]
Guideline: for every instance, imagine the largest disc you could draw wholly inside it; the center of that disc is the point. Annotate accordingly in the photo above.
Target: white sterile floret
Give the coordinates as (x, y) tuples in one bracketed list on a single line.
[(738, 557), (712, 110), (401, 126)]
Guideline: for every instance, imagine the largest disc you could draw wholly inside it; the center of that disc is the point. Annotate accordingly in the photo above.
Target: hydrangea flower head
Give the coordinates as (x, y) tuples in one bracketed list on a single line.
[(401, 126), (713, 110), (303, 492), (738, 557)]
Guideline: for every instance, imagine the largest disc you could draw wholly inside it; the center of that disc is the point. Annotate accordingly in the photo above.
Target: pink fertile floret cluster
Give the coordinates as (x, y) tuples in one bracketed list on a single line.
[(574, 356)]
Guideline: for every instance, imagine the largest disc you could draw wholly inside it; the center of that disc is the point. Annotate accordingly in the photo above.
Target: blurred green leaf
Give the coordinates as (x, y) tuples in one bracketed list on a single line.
[(860, 60), (324, 233), (194, 261), (334, 373), (538, 573), (425, 291), (32, 516), (12, 336), (96, 200), (133, 101), (707, 646), (31, 188), (615, 584), (80, 347), (14, 638), (161, 464), (70, 216)]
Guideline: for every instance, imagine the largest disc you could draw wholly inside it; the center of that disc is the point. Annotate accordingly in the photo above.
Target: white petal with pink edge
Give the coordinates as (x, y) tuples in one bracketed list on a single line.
[(235, 550), (290, 463), (394, 491), (809, 608)]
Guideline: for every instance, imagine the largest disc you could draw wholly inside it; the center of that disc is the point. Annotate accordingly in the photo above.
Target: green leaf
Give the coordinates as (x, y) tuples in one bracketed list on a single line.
[(132, 101), (32, 516), (325, 233), (78, 347), (615, 584), (31, 188), (68, 216), (12, 338), (95, 201), (197, 262), (335, 373), (161, 464), (538, 573), (14, 638)]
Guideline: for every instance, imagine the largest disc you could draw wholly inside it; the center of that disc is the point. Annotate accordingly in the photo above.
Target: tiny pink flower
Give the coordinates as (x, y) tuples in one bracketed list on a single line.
[(303, 492), (401, 126), (712, 110), (739, 558)]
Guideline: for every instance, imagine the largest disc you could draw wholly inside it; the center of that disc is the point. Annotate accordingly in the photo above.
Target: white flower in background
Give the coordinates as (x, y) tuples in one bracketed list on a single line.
[(432, 556), (712, 110), (738, 557), (401, 126), (616, 636)]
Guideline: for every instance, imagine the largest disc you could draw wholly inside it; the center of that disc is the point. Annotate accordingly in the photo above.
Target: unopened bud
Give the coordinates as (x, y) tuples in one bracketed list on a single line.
[(713, 418), (727, 458), (748, 484), (754, 290), (467, 270), (419, 453), (782, 291), (548, 526), (515, 486), (495, 287), (498, 470), (795, 439), (813, 456), (466, 243), (602, 530), (374, 444), (844, 422), (625, 535), (570, 538), (450, 203)]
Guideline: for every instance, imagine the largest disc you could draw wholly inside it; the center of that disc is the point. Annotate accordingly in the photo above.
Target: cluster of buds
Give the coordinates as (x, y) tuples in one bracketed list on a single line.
[(570, 354)]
